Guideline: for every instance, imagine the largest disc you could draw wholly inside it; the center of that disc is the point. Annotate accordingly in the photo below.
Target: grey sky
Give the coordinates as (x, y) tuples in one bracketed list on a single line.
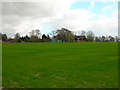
[(22, 17)]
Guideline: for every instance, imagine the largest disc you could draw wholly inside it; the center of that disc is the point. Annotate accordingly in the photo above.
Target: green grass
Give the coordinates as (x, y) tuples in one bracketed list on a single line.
[(60, 65), (0, 65)]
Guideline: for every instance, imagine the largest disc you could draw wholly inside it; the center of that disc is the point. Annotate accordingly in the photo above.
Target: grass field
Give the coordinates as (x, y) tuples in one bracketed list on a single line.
[(60, 65)]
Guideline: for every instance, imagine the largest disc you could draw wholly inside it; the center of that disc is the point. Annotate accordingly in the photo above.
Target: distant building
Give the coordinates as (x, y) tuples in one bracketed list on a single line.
[(54, 39), (80, 39), (60, 40), (11, 40)]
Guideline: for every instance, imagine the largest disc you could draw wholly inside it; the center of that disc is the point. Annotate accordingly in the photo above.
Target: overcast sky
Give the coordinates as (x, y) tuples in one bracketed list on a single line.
[(101, 17)]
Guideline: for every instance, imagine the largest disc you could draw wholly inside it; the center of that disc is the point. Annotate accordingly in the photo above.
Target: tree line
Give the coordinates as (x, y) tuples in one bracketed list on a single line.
[(61, 34)]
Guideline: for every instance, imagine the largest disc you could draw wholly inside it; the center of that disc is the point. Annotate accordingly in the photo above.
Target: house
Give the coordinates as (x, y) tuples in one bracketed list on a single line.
[(11, 40), (53, 39), (80, 39), (60, 40)]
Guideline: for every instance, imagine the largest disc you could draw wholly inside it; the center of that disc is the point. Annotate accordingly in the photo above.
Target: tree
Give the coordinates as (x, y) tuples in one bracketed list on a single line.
[(4, 37), (48, 38), (20, 39), (26, 38), (36, 33), (74, 32), (34, 39), (103, 38), (116, 38), (106, 39), (32, 33), (70, 37), (53, 33), (64, 34), (44, 37), (79, 32), (90, 36), (34, 36), (97, 39), (17, 36), (111, 39), (83, 33)]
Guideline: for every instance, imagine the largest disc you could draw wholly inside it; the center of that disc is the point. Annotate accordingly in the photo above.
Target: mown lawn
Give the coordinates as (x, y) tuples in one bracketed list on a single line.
[(0, 65), (60, 65)]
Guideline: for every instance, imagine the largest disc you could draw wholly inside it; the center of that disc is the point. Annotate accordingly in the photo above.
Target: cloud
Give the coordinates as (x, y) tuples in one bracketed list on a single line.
[(24, 16), (105, 26), (107, 8), (76, 20), (80, 19), (15, 14)]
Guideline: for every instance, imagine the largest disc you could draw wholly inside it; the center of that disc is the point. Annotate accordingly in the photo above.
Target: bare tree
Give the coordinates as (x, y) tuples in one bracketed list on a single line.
[(83, 33), (103, 38), (97, 39), (36, 33), (79, 32), (17, 36), (53, 33), (90, 36), (117, 38), (74, 32), (32, 33), (111, 39)]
